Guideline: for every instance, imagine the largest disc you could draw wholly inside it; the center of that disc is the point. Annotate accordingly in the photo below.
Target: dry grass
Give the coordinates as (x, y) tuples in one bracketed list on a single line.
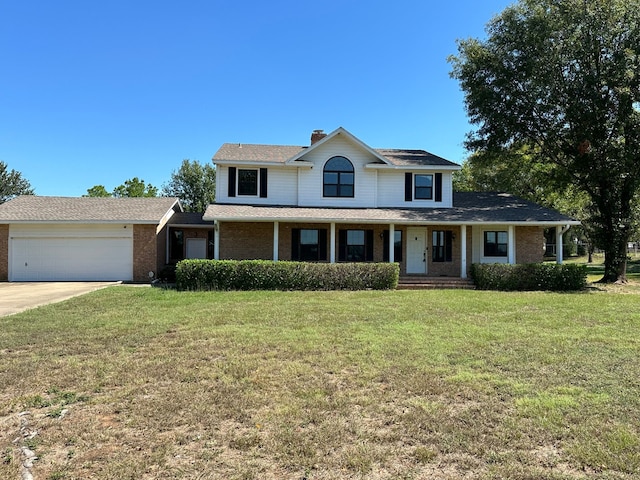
[(150, 384)]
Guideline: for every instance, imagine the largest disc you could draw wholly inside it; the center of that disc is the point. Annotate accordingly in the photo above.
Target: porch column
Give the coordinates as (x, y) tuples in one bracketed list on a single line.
[(511, 245), (276, 232), (392, 235), (332, 244), (216, 240), (463, 251), (559, 232)]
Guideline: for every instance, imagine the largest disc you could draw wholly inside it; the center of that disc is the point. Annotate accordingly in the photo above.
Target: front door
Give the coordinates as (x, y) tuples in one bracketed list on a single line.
[(196, 248), (417, 250)]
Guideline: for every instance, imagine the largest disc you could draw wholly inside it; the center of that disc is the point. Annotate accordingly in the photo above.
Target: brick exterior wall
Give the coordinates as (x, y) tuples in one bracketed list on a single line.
[(243, 241), (246, 241), (4, 253), (445, 269), (145, 252), (529, 244)]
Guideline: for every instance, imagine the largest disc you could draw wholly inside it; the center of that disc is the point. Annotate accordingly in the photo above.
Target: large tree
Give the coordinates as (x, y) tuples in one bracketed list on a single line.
[(135, 187), (12, 183), (194, 184), (563, 76)]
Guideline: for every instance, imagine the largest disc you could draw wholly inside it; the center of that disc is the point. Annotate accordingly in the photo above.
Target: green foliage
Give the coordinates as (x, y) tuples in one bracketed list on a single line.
[(135, 187), (194, 184), (564, 78), (12, 184), (268, 275), (97, 191), (529, 277)]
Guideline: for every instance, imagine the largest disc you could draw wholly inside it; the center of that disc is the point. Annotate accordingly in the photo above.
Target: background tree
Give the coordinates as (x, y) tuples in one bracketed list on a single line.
[(97, 191), (564, 77), (194, 184), (135, 187), (12, 183)]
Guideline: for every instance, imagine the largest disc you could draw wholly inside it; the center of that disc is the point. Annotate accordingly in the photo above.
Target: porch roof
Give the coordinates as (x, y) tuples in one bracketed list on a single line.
[(468, 208)]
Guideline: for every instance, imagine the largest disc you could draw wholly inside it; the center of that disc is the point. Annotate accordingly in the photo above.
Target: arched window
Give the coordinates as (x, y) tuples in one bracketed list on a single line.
[(338, 178)]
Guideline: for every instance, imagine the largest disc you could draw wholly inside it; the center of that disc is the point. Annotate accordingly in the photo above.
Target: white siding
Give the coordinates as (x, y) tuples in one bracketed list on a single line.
[(281, 186), (310, 182), (477, 252)]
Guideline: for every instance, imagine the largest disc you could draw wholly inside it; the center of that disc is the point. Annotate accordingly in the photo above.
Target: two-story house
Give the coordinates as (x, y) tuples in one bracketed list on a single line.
[(339, 200)]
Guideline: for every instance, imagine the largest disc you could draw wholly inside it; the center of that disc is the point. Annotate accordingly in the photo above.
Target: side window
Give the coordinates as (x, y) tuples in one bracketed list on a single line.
[(355, 246), (176, 245), (309, 245), (338, 178), (496, 244), (442, 241)]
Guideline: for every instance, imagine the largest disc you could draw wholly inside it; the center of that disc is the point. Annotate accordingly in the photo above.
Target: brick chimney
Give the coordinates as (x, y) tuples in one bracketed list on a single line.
[(317, 135)]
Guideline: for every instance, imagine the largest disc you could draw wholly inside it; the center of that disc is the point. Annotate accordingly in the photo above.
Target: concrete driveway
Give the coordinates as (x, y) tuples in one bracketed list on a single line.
[(18, 296)]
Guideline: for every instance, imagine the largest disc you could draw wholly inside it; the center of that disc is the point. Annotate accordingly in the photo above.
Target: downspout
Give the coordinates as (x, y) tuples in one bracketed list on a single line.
[(560, 231)]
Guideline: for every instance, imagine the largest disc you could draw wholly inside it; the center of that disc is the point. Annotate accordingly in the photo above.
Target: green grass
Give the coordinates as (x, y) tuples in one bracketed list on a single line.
[(324, 385)]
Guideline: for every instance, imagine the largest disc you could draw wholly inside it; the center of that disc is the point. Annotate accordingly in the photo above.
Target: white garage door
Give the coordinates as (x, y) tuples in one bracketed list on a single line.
[(70, 253)]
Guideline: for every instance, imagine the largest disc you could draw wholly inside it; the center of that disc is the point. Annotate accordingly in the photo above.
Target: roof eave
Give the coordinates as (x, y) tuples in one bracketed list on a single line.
[(378, 166)]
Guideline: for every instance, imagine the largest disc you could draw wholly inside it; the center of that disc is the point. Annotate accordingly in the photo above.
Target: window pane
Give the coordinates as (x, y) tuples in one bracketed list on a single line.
[(330, 177), (330, 190), (247, 182), (308, 237), (346, 178), (346, 190), (502, 250), (491, 237), (355, 253), (339, 164), (355, 237), (502, 237), (397, 238), (424, 180)]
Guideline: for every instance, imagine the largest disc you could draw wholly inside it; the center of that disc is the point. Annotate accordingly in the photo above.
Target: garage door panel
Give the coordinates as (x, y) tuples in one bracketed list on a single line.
[(80, 259)]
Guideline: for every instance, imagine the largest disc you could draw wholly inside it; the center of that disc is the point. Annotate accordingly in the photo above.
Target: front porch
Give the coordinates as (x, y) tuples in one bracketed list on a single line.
[(422, 250)]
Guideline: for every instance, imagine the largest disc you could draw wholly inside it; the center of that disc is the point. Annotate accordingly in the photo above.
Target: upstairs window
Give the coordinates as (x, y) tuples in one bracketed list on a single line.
[(338, 178), (247, 182), (423, 187), (495, 244)]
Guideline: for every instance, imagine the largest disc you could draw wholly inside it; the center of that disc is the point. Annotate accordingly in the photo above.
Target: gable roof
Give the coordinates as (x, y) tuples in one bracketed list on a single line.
[(468, 208), (238, 153), (37, 209)]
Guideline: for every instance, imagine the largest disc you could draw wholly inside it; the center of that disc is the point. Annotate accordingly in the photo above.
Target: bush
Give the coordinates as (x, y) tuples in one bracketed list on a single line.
[(531, 276), (269, 275)]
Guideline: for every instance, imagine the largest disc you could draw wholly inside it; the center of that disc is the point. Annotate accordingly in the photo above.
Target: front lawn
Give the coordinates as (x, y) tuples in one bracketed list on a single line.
[(140, 383)]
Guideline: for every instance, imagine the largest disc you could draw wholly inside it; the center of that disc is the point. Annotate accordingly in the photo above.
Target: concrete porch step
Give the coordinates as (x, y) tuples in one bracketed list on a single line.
[(408, 282)]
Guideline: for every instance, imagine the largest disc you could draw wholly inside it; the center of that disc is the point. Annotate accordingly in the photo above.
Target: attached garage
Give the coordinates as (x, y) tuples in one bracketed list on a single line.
[(70, 252), (44, 239)]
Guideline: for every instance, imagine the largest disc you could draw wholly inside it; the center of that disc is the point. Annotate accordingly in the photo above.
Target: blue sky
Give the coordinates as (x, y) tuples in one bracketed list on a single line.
[(95, 93)]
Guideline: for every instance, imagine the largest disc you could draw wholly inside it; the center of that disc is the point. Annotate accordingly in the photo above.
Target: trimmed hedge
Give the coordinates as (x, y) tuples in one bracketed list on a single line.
[(530, 276), (269, 275)]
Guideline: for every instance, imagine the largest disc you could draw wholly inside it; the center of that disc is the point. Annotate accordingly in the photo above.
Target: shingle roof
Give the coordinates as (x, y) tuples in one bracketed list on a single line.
[(188, 218), (468, 208), (29, 208), (239, 152)]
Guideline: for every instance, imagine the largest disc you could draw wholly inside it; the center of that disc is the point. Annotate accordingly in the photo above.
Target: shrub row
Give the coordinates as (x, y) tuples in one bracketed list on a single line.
[(531, 276), (269, 275)]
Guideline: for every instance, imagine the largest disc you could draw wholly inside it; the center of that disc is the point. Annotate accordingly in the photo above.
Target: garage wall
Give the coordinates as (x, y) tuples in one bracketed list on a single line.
[(145, 252), (73, 252), (4, 253)]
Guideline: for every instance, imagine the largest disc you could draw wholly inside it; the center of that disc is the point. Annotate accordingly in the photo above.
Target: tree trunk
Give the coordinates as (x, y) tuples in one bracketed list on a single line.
[(615, 262)]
